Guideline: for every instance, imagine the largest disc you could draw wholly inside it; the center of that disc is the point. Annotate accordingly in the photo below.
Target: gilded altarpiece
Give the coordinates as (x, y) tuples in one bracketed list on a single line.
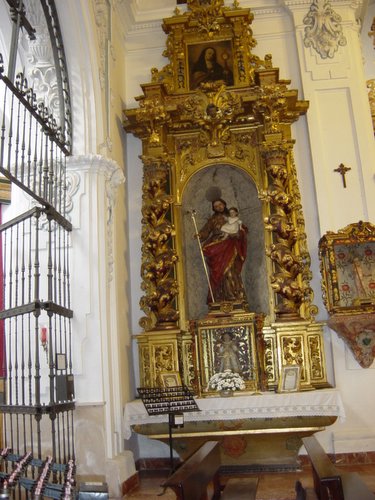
[(222, 131)]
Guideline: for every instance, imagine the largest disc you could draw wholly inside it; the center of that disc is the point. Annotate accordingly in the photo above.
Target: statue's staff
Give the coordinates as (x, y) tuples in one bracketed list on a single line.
[(193, 212)]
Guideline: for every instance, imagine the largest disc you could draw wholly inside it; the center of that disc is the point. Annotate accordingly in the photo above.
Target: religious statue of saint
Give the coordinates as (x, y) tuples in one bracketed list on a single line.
[(225, 254), (228, 354), (208, 69)]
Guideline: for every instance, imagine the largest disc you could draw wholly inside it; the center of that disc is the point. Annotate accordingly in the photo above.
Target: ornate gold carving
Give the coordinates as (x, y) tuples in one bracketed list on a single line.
[(371, 97), (314, 343), (144, 356), (302, 343), (205, 14), (292, 352), (244, 124), (158, 353), (213, 110), (287, 280), (150, 117), (217, 123), (270, 107), (209, 21), (270, 359), (158, 258), (187, 361), (163, 358)]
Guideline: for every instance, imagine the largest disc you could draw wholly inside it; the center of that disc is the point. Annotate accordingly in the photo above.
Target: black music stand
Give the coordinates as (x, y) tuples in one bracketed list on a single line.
[(173, 401)]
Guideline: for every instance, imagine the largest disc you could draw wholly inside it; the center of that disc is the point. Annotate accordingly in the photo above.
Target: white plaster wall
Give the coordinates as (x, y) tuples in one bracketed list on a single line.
[(324, 139), (100, 258)]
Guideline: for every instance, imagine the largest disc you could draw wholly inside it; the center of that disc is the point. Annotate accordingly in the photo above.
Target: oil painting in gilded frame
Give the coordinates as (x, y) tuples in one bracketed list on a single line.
[(290, 378), (224, 347), (209, 62), (348, 268)]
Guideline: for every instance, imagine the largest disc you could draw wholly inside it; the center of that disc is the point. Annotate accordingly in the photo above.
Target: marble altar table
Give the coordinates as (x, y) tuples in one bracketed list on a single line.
[(254, 430)]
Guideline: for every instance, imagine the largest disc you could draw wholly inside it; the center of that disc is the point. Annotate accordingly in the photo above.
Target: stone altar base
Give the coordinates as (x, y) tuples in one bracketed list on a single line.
[(267, 444), (255, 431)]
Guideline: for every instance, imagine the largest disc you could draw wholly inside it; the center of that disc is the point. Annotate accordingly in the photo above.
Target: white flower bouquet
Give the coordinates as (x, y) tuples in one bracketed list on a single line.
[(226, 381)]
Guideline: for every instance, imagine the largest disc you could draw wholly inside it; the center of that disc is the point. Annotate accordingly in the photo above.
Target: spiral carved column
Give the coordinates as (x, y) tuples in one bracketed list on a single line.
[(158, 255)]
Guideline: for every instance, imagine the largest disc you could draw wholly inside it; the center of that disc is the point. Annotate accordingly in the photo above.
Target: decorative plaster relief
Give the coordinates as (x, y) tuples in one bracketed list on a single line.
[(72, 181), (323, 30), (358, 332), (103, 20), (102, 12), (40, 71)]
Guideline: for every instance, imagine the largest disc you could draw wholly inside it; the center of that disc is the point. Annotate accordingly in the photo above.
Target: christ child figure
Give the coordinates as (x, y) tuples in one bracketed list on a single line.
[(233, 224)]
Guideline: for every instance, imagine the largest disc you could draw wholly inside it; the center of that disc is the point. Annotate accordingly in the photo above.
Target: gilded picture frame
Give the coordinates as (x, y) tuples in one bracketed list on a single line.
[(290, 378), (227, 346), (347, 264), (170, 379)]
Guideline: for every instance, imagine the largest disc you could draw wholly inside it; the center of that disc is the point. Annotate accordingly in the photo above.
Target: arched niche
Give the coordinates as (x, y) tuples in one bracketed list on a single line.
[(237, 188)]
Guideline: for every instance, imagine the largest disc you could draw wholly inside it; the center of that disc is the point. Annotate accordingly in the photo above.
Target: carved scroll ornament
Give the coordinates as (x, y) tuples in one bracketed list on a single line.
[(323, 29)]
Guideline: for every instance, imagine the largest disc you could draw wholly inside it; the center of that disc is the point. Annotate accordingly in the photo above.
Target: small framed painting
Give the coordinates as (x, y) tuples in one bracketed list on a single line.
[(289, 378), (347, 265), (170, 379)]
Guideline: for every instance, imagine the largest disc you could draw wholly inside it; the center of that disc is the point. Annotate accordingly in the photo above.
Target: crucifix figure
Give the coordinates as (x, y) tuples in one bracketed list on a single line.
[(342, 170)]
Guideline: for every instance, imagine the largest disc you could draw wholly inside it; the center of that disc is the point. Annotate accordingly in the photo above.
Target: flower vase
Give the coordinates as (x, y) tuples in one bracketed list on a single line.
[(226, 393)]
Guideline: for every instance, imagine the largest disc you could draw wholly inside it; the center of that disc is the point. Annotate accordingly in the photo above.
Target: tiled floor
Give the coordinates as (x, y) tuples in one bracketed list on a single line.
[(271, 486)]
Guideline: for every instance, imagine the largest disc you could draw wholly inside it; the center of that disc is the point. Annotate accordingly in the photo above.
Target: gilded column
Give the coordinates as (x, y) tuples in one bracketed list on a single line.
[(158, 254)]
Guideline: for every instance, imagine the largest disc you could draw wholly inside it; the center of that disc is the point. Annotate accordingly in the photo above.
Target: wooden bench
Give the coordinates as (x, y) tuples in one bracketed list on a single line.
[(331, 483), (191, 479), (240, 488)]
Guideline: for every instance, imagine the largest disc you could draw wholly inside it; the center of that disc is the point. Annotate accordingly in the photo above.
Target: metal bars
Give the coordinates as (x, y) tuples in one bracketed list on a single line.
[(36, 271), (32, 154), (37, 332), (37, 397)]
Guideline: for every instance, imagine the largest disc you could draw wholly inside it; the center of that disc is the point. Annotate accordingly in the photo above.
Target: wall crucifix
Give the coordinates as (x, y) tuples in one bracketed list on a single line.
[(342, 170)]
